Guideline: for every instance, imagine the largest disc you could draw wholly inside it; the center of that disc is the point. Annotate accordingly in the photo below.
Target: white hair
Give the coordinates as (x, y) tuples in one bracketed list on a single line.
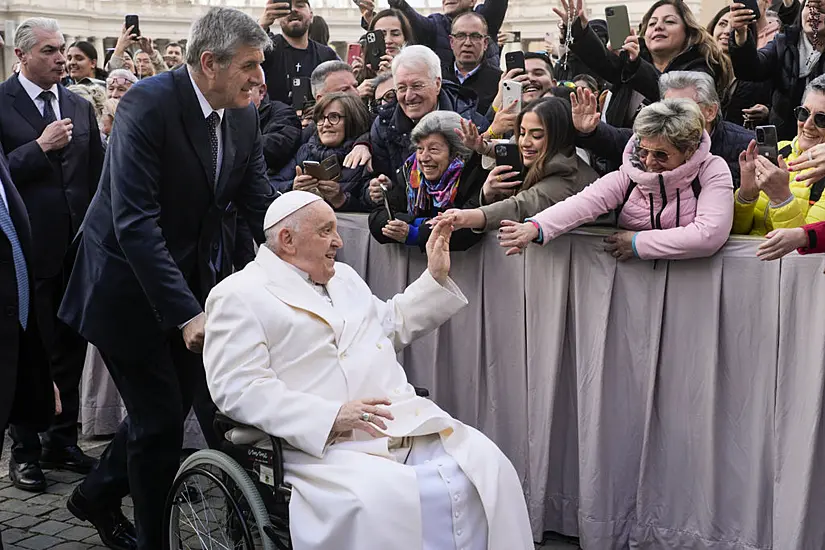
[(294, 222), (318, 78), (422, 57), (444, 123), (221, 31), (701, 82), (25, 36)]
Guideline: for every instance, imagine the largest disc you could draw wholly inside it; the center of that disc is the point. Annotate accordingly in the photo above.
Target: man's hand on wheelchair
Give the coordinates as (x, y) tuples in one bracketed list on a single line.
[(363, 415)]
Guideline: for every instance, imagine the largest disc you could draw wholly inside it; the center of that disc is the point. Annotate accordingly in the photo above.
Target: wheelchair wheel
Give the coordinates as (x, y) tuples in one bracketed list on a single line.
[(214, 504)]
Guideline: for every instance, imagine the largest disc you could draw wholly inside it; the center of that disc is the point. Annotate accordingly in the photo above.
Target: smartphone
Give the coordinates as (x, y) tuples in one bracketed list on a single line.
[(752, 5), (353, 53), (301, 92), (514, 60), (376, 49), (507, 154), (386, 195), (511, 91), (133, 21), (766, 143), (618, 25), (313, 168), (326, 170)]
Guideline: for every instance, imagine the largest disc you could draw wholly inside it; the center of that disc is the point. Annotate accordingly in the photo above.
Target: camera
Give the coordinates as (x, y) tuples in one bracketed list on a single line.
[(296, 81), (370, 38), (760, 135), (609, 12), (501, 150)]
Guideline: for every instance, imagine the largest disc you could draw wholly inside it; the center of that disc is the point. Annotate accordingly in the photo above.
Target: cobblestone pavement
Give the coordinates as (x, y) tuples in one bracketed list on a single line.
[(31, 521)]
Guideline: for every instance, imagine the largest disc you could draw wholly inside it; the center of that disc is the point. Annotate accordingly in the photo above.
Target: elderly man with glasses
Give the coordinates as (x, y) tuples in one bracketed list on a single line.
[(469, 40), (420, 90)]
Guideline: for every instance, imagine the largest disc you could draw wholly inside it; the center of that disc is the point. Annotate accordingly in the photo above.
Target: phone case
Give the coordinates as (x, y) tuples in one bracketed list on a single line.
[(511, 92), (300, 92), (618, 25), (353, 52), (514, 60), (331, 168), (508, 154), (376, 48)]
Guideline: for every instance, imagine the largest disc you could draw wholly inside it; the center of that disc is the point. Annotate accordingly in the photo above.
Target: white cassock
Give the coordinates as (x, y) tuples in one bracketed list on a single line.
[(283, 357)]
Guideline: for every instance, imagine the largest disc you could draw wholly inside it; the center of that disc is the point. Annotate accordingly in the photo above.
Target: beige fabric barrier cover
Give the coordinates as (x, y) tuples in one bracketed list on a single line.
[(644, 405)]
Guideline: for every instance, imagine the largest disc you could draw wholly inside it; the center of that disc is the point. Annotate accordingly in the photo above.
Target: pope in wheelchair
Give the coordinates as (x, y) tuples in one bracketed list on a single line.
[(298, 347)]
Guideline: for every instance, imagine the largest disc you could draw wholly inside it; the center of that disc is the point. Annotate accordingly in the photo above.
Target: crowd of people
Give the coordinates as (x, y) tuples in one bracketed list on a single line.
[(436, 137)]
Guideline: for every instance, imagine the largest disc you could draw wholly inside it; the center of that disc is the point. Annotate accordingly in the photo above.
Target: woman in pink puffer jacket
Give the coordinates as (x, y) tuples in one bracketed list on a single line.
[(674, 197)]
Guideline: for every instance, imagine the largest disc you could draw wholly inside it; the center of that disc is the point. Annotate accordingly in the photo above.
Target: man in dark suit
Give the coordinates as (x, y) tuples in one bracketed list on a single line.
[(55, 155), (185, 144), (26, 395), (469, 42)]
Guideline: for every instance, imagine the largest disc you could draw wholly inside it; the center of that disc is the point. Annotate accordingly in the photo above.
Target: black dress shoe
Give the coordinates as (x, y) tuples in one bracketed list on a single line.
[(27, 476), (114, 529), (67, 458)]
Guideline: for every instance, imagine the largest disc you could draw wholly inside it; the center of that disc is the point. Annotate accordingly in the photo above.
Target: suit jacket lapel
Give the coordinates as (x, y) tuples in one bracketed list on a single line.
[(228, 133), (67, 105), (286, 285), (25, 106), (195, 124)]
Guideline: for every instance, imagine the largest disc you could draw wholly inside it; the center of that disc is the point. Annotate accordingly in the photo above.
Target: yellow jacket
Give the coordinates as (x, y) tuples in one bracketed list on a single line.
[(759, 217)]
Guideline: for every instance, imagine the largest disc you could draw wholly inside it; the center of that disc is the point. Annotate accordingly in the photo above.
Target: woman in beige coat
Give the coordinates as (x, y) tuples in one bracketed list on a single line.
[(552, 170)]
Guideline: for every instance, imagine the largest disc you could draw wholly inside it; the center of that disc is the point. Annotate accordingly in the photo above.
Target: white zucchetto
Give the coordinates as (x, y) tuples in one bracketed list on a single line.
[(288, 203)]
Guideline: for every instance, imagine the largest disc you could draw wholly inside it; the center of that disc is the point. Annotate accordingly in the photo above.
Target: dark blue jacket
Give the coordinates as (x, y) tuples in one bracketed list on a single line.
[(57, 187), (434, 30), (726, 141), (26, 394), (390, 137), (280, 133), (353, 180), (154, 236)]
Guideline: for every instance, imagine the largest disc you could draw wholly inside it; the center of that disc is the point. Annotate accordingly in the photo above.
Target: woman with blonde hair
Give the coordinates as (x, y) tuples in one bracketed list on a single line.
[(674, 198)]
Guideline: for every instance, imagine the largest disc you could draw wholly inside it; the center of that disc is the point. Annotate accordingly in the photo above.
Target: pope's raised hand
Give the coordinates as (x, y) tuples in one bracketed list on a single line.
[(438, 250)]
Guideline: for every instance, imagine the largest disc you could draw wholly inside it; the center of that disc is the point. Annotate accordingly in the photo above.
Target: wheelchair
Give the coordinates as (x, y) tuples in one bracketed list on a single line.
[(232, 498)]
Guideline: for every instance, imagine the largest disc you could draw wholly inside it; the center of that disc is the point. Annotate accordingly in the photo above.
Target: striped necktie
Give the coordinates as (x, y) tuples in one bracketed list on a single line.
[(20, 270)]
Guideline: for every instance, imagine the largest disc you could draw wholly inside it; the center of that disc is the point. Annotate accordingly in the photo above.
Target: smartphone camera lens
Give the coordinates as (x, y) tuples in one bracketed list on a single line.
[(501, 150), (760, 135), (609, 12)]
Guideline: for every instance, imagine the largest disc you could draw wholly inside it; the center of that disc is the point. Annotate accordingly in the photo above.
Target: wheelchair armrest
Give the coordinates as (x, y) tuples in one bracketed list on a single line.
[(421, 392), (223, 424)]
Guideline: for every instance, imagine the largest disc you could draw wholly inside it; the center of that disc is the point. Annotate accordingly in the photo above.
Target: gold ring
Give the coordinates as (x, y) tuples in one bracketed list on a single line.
[(498, 179)]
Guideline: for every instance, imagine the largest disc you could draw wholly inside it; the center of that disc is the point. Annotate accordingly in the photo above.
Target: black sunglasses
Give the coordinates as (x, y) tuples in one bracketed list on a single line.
[(802, 114)]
